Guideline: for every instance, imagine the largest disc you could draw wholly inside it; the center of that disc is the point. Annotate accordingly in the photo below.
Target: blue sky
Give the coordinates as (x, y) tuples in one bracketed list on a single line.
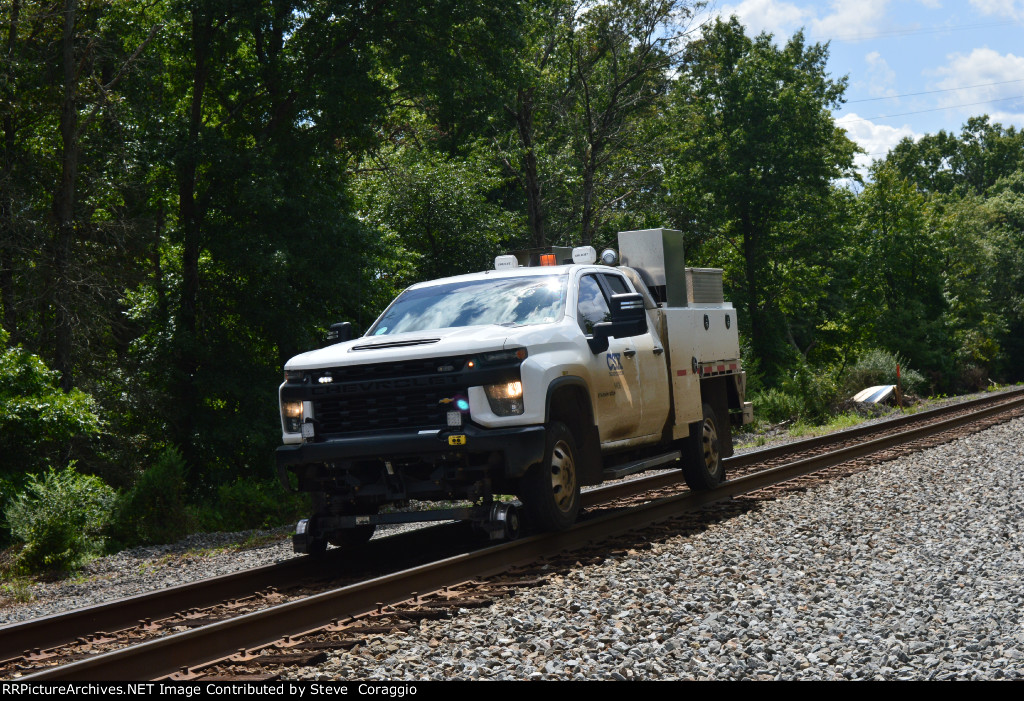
[(967, 56)]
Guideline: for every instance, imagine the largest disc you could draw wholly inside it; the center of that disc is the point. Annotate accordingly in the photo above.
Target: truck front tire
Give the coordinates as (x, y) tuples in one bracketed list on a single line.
[(551, 490), (702, 466)]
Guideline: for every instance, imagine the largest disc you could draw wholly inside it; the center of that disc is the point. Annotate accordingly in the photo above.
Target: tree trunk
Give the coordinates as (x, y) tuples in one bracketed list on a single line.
[(64, 205), (7, 227), (190, 220), (751, 253), (587, 216), (531, 179)]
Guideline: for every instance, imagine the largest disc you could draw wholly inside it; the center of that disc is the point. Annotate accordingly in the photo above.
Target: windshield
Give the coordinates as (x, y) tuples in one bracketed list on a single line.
[(515, 301)]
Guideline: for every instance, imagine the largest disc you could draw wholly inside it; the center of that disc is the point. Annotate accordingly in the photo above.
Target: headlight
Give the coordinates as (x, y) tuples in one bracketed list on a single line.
[(292, 413), (503, 356), (505, 398)]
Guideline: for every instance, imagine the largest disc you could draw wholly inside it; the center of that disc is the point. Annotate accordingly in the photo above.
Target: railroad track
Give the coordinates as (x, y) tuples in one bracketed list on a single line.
[(258, 639)]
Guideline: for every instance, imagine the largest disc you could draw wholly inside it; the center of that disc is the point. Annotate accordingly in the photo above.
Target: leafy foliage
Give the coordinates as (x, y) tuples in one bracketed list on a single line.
[(775, 406), (751, 165), (878, 367), (38, 421), (970, 163), (436, 210), (248, 504), (59, 518), (191, 192), (154, 510)]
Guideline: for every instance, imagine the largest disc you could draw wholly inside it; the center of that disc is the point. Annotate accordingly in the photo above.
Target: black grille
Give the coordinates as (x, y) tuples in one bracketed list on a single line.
[(384, 371), (412, 410)]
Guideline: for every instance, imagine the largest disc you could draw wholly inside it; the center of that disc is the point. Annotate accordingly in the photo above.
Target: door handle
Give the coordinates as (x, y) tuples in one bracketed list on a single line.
[(629, 353), (659, 351)]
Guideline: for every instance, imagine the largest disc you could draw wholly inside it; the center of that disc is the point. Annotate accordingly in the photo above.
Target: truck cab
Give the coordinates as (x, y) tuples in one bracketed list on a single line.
[(526, 380)]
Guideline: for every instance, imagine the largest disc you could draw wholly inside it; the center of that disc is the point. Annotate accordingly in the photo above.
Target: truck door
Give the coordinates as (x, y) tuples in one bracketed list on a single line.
[(614, 378), (652, 368)]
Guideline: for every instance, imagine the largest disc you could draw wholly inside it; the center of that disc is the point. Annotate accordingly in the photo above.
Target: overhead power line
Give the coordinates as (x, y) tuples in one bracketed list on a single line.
[(932, 92), (933, 109)]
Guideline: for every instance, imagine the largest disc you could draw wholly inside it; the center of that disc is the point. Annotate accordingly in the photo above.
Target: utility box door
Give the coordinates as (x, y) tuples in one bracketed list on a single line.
[(695, 337), (682, 350)]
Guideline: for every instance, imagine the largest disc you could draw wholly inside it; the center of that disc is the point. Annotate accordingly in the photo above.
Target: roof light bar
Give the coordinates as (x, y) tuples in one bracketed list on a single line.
[(584, 255), (506, 263)]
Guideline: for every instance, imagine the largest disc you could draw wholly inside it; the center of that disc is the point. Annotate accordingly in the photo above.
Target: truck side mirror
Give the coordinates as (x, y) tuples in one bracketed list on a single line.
[(628, 319), (628, 315), (339, 333), (599, 341)]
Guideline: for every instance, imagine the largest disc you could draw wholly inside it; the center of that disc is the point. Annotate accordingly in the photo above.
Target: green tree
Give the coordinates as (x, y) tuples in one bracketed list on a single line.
[(899, 292), (436, 208), (754, 155), (963, 230), (583, 87), (1006, 274), (617, 60), (969, 163)]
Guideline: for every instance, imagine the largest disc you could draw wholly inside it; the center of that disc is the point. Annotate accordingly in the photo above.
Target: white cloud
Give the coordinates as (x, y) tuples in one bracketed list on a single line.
[(881, 78), (849, 20), (875, 139), (1014, 9), (844, 21), (773, 16), (981, 67), (1007, 119)]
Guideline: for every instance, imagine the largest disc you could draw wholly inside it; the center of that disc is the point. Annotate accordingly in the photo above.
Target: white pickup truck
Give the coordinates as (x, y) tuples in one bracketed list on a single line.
[(525, 380)]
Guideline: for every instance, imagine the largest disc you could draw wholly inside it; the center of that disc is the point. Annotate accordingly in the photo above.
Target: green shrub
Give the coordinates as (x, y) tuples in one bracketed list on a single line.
[(153, 510), (8, 490), (807, 394), (775, 406), (37, 419), (248, 504), (878, 367), (816, 390), (60, 518)]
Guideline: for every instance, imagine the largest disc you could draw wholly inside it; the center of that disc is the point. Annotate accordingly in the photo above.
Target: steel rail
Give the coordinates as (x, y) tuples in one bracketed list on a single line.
[(163, 656), (661, 480), (64, 628), (60, 629), (120, 614)]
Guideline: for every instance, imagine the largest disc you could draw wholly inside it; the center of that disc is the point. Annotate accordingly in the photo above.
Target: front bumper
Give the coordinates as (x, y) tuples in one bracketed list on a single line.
[(520, 447)]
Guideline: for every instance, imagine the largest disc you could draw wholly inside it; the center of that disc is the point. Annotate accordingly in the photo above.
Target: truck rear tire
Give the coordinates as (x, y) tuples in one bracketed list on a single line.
[(551, 490), (702, 466)]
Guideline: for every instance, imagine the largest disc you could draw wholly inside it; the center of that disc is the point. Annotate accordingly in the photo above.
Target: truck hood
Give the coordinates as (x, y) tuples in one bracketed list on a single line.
[(405, 346)]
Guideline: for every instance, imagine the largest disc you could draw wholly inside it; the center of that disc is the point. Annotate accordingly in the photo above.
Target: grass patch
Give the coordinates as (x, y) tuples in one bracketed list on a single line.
[(17, 590), (257, 540), (804, 429), (754, 442)]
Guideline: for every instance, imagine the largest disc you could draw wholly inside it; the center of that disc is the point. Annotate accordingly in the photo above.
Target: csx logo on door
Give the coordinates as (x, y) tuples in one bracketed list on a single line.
[(614, 363)]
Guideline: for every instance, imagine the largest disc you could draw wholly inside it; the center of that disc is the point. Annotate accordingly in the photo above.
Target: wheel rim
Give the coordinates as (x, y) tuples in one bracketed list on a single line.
[(512, 524), (563, 476), (709, 439)]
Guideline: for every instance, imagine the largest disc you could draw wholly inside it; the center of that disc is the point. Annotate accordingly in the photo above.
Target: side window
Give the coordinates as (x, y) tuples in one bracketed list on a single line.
[(617, 284), (592, 307)]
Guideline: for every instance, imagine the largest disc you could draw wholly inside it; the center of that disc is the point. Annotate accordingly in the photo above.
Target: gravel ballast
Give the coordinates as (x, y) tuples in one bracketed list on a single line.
[(910, 570)]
